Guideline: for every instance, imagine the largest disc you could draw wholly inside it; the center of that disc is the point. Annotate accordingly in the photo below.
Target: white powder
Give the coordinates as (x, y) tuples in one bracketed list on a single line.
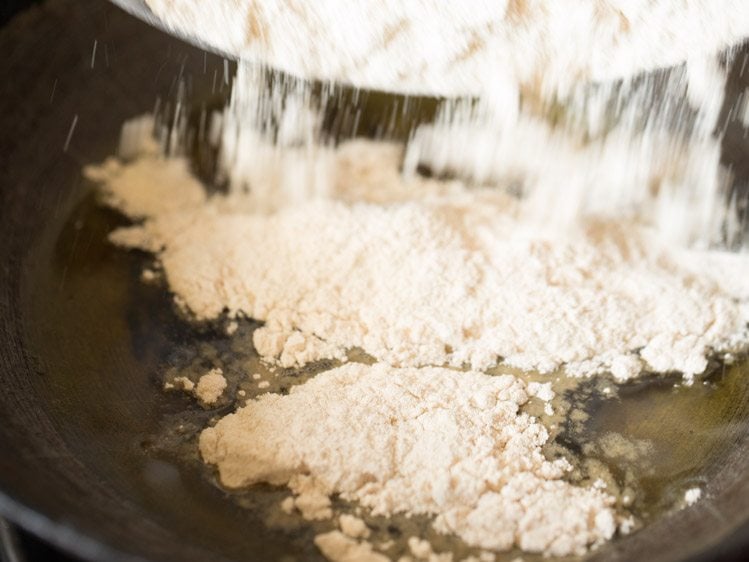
[(312, 501), (422, 550), (460, 47), (431, 440), (692, 496), (419, 272), (148, 275), (643, 149), (184, 383), (155, 175), (542, 391), (210, 386), (337, 547), (294, 348), (353, 527), (287, 505)]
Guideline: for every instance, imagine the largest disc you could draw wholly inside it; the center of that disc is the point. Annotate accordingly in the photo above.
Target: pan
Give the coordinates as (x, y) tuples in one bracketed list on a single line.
[(89, 456)]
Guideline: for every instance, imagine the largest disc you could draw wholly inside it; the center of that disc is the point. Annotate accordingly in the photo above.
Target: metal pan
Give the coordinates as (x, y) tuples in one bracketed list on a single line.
[(82, 343)]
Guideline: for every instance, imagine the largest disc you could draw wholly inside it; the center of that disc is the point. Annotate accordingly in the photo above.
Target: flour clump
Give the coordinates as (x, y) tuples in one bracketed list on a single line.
[(338, 547), (422, 272), (420, 441), (210, 386)]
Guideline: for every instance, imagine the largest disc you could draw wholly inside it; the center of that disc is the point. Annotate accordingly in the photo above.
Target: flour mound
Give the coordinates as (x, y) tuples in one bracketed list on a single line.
[(418, 441), (419, 272), (211, 386)]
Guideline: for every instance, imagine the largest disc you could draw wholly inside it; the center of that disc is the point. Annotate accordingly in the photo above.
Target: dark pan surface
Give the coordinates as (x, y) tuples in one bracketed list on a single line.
[(73, 467), (82, 342)]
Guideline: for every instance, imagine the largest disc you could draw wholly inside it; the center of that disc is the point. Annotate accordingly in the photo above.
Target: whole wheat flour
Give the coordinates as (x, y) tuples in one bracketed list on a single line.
[(353, 527), (435, 441), (422, 550), (692, 496), (420, 272), (460, 47), (210, 386)]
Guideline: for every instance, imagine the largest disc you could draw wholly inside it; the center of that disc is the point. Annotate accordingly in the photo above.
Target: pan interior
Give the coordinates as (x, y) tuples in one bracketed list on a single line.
[(98, 341)]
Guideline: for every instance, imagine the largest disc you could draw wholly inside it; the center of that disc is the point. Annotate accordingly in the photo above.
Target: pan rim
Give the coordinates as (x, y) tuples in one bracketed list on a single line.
[(64, 536)]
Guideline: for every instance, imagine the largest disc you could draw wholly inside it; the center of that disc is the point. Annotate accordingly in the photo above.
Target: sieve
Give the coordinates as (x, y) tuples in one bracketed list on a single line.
[(450, 48)]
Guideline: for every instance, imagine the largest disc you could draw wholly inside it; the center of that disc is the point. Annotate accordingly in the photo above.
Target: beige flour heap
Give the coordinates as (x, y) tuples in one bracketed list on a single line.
[(210, 386), (423, 272), (460, 47), (414, 441), (420, 273)]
